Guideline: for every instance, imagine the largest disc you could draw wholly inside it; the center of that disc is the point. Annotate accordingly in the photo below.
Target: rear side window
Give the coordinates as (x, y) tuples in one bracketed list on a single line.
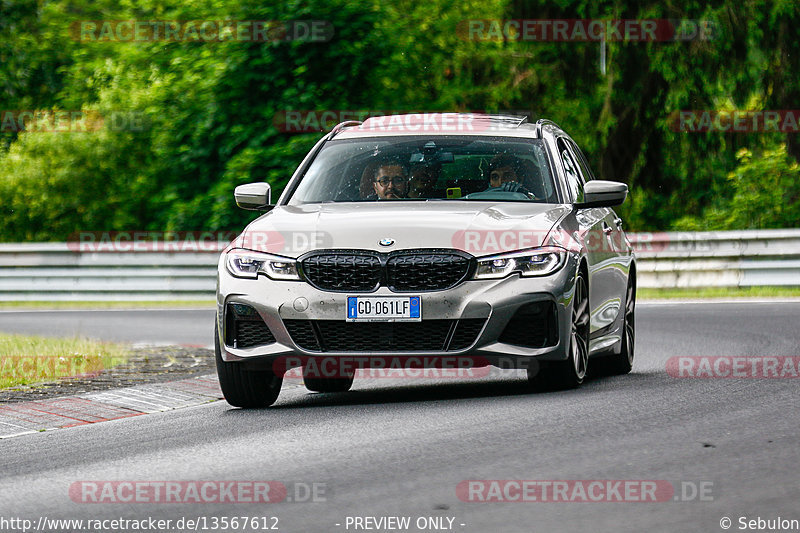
[(574, 180), (583, 163)]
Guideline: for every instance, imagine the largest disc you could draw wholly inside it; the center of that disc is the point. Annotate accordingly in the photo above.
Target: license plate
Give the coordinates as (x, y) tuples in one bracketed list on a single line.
[(384, 309)]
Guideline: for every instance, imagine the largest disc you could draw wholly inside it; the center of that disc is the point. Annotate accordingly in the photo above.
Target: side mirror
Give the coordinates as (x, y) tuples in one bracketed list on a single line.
[(253, 196), (600, 193)]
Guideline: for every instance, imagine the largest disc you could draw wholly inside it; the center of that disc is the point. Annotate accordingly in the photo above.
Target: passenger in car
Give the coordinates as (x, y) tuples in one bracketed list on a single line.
[(423, 181)]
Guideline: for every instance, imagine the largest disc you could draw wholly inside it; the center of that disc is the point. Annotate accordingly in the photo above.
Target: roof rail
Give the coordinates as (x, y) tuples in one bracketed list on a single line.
[(544, 122), (342, 125)]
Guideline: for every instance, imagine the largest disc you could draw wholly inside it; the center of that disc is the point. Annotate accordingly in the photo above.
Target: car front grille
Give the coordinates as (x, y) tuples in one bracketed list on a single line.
[(425, 271), (252, 333), (534, 325), (406, 271), (343, 271), (466, 333), (423, 336), (303, 334), (244, 327)]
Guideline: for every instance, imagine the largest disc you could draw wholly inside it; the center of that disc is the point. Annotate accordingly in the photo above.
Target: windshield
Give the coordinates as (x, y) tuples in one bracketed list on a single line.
[(428, 168)]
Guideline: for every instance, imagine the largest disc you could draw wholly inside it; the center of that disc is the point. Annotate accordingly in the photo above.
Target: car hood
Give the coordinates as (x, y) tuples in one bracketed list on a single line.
[(479, 228)]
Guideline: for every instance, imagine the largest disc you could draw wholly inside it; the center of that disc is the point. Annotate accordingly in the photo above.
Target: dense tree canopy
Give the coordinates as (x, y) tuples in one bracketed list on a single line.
[(188, 120)]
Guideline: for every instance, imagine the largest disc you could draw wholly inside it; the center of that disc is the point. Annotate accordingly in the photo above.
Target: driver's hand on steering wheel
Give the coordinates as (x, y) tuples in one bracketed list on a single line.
[(513, 186)]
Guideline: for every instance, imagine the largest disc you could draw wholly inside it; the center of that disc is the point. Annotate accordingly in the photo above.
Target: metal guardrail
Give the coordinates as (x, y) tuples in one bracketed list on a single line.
[(718, 259), (56, 271)]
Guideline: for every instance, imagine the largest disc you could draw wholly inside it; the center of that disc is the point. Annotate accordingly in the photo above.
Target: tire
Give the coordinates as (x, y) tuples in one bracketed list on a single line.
[(569, 374), (326, 384), (622, 363), (246, 388)]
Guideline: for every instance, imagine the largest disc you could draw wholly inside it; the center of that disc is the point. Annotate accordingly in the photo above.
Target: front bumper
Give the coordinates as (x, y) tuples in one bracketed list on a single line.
[(495, 301)]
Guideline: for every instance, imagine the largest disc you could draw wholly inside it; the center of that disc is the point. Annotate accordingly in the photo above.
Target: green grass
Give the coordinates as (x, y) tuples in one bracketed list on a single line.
[(25, 360), (718, 292), (198, 304)]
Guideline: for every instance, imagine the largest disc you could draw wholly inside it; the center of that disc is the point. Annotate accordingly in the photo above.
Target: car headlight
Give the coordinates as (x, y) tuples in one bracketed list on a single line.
[(248, 264), (533, 262)]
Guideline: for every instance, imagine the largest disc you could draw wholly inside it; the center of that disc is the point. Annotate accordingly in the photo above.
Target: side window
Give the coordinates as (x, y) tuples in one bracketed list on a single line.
[(574, 180), (582, 163)]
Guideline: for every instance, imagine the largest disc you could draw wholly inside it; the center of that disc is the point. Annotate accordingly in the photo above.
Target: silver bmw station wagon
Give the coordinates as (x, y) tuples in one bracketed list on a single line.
[(443, 240)]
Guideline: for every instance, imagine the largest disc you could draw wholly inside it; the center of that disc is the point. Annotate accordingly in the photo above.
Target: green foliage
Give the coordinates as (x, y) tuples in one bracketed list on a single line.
[(766, 194), (207, 111), (55, 184)]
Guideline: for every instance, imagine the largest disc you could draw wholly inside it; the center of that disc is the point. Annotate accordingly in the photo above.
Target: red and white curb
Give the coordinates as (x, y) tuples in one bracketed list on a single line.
[(69, 411)]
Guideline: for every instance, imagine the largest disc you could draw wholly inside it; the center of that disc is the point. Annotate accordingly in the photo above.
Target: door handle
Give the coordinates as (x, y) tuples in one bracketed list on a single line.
[(607, 229)]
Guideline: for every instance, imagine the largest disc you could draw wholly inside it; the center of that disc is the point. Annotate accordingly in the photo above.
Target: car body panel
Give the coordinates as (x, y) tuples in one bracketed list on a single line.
[(593, 238), (495, 299), (294, 230)]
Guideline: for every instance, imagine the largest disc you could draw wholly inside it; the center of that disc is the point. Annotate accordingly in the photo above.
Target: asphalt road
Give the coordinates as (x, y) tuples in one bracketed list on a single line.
[(395, 447), (152, 326)]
